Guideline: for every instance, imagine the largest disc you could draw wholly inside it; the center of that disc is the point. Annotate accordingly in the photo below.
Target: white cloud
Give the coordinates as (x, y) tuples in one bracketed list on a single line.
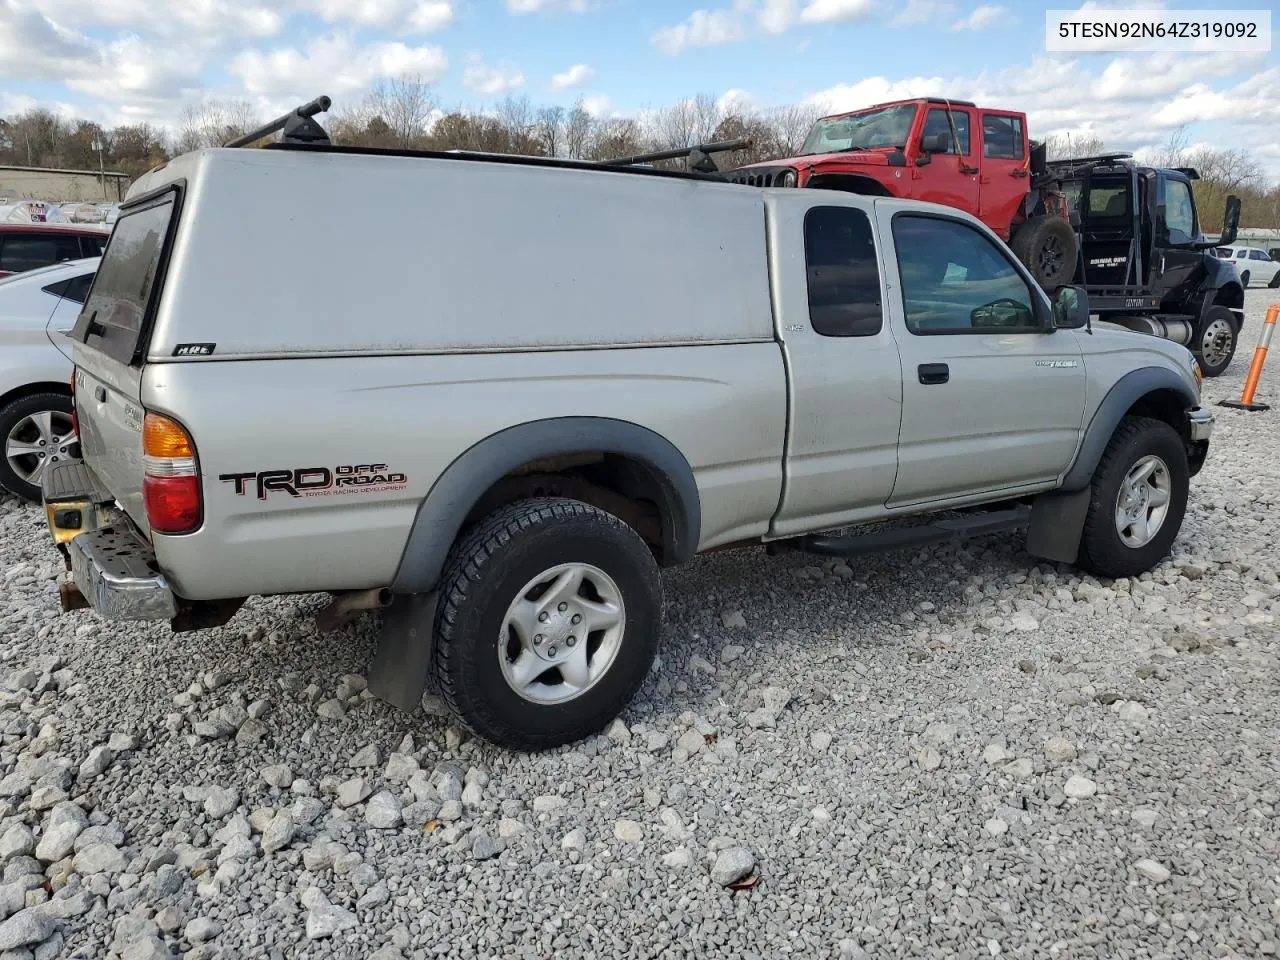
[(575, 76), (922, 11), (982, 17), (704, 28), (599, 106), (776, 16), (835, 11), (194, 19), (546, 6), (738, 101), (491, 81), (400, 16), (334, 63)]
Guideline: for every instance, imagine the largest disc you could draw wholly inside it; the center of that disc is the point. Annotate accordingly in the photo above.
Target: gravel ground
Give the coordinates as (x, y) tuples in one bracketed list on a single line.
[(954, 753)]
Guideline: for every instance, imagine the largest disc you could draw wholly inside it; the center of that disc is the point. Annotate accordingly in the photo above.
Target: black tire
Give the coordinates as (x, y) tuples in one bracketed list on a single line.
[(1216, 339), (1049, 249), (1103, 552), (12, 415), (485, 573), (1275, 280), (1244, 279)]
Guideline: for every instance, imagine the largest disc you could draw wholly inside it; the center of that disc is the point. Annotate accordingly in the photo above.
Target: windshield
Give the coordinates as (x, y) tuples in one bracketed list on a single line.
[(885, 127)]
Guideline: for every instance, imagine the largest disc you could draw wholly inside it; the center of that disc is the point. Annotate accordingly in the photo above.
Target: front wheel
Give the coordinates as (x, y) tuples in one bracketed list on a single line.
[(36, 431), (548, 623), (1138, 499), (1216, 344)]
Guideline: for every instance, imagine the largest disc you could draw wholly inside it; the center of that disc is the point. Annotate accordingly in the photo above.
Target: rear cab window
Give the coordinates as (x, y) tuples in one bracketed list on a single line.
[(843, 273), (117, 314)]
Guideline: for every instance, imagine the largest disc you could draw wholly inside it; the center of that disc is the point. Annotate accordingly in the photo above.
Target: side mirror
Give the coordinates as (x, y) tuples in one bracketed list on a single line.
[(1230, 222), (1070, 308), (936, 143)]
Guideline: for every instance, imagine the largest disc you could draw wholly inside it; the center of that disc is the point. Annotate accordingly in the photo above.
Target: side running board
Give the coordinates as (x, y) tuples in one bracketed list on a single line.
[(953, 530)]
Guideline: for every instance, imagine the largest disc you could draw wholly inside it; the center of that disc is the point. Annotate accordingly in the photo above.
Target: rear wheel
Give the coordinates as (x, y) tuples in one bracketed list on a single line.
[(35, 431), (1216, 344), (1138, 499), (1275, 280), (548, 623), (1049, 249)]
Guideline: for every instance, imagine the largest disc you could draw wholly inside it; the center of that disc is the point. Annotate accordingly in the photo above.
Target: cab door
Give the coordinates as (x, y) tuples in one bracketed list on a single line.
[(950, 177), (843, 373), (1005, 174), (992, 398)]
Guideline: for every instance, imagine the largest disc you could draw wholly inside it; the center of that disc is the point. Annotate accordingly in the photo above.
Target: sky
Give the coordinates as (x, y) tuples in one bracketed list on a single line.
[(121, 61)]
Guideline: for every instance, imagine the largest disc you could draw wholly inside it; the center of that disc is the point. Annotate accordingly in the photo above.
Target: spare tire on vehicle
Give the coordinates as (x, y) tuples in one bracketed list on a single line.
[(1049, 249)]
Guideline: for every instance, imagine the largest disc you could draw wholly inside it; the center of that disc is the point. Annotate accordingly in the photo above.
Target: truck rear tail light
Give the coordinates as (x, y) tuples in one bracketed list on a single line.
[(171, 476)]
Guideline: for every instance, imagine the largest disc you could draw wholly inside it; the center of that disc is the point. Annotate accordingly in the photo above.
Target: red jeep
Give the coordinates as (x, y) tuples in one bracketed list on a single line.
[(945, 151)]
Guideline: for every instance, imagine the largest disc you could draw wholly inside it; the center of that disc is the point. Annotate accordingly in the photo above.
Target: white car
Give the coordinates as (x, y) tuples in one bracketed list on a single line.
[(37, 308), (1253, 265)]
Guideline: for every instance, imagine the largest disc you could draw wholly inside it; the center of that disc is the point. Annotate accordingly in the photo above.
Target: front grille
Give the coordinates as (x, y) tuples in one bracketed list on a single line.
[(756, 178)]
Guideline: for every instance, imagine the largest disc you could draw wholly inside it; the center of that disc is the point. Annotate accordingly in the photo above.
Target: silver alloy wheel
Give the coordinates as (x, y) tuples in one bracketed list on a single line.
[(1215, 343), (1143, 501), (38, 440), (561, 633)]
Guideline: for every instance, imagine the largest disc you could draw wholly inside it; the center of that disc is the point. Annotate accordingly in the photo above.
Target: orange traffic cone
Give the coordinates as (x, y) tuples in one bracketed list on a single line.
[(1255, 368)]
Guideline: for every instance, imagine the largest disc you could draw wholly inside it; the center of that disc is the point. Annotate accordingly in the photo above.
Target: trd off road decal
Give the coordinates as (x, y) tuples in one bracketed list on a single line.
[(318, 481)]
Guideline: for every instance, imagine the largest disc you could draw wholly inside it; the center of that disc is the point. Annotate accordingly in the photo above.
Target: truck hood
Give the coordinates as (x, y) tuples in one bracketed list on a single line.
[(869, 158)]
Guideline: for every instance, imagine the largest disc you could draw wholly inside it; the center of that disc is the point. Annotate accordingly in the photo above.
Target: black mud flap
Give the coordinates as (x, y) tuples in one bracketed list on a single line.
[(398, 673), (1057, 522)]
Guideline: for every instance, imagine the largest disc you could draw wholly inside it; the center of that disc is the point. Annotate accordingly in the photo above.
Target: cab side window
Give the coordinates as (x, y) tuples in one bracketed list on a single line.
[(936, 122), (1179, 212), (1002, 137), (955, 280), (843, 273)]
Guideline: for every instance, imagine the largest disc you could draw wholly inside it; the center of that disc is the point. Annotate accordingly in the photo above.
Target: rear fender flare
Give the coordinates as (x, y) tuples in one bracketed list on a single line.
[(459, 488)]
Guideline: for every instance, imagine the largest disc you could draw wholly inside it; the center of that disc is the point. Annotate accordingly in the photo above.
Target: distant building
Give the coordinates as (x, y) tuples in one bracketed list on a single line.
[(61, 186)]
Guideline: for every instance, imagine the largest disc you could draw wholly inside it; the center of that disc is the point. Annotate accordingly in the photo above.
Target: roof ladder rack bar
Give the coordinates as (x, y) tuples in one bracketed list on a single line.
[(298, 126)]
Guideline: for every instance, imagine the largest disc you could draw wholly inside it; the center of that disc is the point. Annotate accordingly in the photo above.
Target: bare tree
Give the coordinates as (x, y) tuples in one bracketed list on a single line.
[(1066, 146), (790, 126), (578, 131), (214, 122), (405, 104), (550, 130)]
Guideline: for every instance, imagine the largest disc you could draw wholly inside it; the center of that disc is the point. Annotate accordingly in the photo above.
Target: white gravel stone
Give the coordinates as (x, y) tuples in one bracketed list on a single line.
[(1144, 817), (25, 928), (928, 759), (277, 775), (549, 804), (996, 827), (731, 865), (201, 929), (1059, 750), (16, 841), (400, 768), (99, 858), (628, 831), (995, 753), (353, 791), (66, 822), (1080, 788), (1153, 871), (221, 801), (820, 740), (382, 812)]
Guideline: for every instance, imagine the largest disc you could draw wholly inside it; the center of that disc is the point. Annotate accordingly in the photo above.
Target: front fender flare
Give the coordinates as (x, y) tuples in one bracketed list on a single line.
[(457, 490), (1126, 391)]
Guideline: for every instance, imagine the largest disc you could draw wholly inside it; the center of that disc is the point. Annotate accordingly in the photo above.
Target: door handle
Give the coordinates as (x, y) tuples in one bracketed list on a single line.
[(1018, 173), (932, 373), (100, 394)]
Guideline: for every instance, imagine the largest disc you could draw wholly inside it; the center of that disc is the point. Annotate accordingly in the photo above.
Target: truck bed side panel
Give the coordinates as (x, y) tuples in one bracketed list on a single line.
[(722, 406)]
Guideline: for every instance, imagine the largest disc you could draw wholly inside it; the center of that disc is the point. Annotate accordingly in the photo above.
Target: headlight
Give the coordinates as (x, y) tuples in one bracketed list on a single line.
[(787, 179)]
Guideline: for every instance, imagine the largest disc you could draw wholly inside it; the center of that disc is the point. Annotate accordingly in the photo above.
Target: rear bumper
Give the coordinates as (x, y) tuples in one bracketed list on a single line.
[(113, 567), (115, 571)]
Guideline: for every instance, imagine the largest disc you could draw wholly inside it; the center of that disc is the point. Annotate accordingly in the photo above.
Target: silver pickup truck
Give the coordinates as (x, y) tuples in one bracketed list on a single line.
[(497, 418)]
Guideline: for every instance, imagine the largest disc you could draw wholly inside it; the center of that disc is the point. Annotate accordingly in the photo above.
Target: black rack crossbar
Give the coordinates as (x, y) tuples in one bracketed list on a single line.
[(305, 112), (679, 153)]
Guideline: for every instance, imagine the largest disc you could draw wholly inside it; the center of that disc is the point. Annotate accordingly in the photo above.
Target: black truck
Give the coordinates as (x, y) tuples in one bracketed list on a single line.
[(1143, 256)]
